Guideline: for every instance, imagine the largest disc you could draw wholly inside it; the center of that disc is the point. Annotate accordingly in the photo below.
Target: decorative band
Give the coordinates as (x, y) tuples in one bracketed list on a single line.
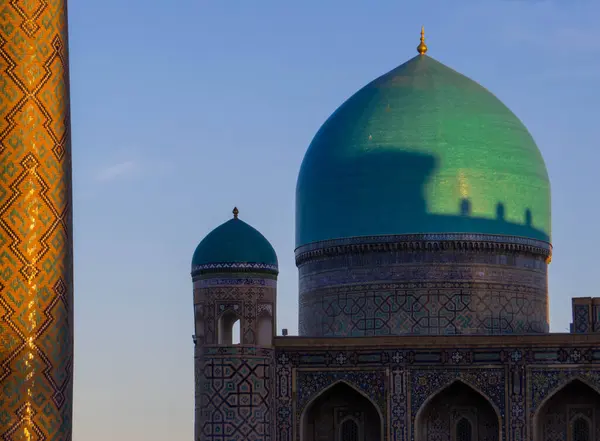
[(422, 242), (234, 351), (234, 267), (235, 281)]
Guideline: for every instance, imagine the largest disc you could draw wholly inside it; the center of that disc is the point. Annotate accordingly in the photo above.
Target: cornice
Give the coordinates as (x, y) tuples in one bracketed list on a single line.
[(218, 268), (423, 242)]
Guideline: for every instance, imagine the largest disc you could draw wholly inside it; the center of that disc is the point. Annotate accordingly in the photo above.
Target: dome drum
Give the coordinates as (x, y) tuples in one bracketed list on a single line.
[(403, 285)]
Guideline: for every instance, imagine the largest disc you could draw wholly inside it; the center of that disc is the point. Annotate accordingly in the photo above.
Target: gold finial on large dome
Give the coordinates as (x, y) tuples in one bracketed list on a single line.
[(422, 47), (235, 212)]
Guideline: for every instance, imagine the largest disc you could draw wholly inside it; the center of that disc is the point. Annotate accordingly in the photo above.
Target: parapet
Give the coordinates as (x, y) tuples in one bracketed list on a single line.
[(586, 315)]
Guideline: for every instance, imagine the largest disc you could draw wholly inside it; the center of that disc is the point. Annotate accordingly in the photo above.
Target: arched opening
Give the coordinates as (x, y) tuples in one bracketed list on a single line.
[(229, 329), (236, 336), (572, 413), (581, 429), (341, 413), (464, 430), (350, 430), (457, 413), (265, 331)]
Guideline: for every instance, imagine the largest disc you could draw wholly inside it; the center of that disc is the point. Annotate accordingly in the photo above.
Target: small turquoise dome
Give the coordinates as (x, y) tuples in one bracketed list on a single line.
[(234, 242), (422, 150)]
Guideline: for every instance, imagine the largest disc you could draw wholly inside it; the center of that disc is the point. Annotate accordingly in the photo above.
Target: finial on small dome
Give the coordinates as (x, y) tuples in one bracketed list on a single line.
[(422, 47), (235, 212)]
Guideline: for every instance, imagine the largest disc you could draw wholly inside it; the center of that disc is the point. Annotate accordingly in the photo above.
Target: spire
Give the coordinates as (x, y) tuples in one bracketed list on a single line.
[(422, 47), (235, 212)]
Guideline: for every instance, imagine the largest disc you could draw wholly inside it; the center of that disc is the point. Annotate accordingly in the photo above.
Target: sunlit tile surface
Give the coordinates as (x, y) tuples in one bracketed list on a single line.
[(36, 258)]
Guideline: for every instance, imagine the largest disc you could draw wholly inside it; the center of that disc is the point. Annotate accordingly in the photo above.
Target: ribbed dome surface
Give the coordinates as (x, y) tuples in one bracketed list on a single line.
[(422, 149)]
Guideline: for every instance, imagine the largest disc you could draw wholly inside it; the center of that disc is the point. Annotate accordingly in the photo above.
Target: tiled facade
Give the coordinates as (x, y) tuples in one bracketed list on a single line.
[(233, 384), (388, 388), (36, 249), (503, 382), (249, 298), (512, 381), (510, 388), (423, 285), (234, 393)]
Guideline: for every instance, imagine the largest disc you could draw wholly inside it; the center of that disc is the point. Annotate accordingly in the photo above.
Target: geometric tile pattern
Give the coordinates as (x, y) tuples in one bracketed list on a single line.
[(423, 308), (581, 319), (312, 383), (234, 382), (331, 411), (370, 293), (284, 396), (233, 393), (248, 297), (426, 383), (517, 404), (36, 259), (398, 393), (513, 379), (543, 384), (439, 418), (557, 419), (586, 315)]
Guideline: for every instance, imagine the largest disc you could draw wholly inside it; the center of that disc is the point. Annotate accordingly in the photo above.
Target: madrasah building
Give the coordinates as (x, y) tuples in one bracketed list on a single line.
[(423, 240)]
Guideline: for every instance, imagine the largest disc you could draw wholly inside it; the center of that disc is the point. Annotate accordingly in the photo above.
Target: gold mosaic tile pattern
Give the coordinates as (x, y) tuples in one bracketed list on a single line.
[(36, 252)]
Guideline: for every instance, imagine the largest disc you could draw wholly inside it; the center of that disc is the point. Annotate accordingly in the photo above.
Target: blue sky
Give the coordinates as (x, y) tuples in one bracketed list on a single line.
[(181, 111)]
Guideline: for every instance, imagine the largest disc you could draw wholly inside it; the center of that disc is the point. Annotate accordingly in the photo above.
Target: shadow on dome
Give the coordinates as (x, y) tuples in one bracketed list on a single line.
[(365, 196)]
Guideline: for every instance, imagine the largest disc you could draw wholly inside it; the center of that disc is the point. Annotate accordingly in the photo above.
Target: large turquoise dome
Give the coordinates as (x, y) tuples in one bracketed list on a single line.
[(234, 243), (422, 150)]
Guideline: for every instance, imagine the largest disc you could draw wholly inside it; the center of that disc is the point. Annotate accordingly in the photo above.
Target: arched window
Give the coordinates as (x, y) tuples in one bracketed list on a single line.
[(349, 430), (464, 431), (356, 418), (580, 429), (229, 329), (568, 414), (457, 413)]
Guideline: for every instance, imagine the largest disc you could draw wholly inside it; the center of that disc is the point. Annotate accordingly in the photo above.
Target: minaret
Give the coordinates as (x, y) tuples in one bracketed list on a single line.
[(234, 272), (36, 252)]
